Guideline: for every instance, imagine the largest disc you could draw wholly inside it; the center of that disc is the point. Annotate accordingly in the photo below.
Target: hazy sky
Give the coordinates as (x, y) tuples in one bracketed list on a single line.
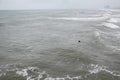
[(57, 4)]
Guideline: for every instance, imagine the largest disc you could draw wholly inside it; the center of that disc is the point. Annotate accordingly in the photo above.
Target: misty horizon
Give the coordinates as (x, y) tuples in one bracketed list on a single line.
[(59, 4)]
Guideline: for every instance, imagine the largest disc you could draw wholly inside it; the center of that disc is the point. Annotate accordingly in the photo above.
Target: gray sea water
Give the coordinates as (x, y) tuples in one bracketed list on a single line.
[(60, 45)]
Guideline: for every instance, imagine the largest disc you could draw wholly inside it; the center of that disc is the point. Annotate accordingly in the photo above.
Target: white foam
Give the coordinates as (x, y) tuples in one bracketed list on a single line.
[(23, 72), (96, 69), (107, 15), (117, 19), (113, 20), (32, 68), (97, 33), (29, 78), (42, 75), (110, 25), (65, 78), (33, 73), (83, 19)]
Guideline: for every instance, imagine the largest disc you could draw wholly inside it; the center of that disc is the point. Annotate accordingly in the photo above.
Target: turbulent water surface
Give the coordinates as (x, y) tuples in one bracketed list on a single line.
[(60, 45)]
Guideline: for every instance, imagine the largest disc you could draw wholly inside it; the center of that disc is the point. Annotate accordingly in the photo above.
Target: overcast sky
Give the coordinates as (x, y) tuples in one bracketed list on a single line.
[(57, 4)]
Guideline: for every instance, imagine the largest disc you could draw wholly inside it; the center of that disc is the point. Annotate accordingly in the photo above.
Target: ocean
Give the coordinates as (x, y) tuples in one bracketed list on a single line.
[(60, 44)]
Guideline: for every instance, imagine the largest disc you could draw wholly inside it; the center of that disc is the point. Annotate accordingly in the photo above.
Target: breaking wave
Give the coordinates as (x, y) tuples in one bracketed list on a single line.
[(110, 25), (34, 73)]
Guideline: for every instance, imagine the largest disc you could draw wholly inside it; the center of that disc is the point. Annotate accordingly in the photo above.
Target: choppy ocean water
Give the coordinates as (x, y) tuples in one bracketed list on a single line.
[(60, 45)]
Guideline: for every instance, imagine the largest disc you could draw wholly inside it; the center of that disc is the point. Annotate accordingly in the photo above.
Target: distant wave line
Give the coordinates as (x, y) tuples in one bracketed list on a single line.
[(104, 17)]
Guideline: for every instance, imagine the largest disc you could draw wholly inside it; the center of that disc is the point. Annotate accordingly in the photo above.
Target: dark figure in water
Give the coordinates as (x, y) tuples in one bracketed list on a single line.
[(79, 41)]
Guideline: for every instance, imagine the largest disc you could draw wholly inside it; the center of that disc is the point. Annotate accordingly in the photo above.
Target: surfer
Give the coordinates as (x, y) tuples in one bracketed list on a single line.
[(79, 41)]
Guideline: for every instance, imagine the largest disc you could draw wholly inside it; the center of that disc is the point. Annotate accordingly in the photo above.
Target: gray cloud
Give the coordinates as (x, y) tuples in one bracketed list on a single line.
[(57, 4)]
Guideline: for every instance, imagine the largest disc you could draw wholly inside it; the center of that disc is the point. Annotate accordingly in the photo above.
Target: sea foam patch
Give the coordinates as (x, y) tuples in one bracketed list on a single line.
[(113, 20), (110, 25), (95, 68), (34, 73)]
